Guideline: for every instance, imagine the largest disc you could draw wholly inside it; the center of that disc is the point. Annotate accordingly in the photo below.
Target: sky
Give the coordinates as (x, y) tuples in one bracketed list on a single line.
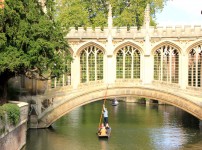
[(180, 12)]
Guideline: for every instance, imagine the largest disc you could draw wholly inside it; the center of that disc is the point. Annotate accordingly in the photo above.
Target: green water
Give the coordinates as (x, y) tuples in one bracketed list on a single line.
[(134, 127)]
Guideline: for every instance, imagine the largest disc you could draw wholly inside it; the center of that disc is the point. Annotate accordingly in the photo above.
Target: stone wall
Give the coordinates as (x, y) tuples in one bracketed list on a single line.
[(15, 136)]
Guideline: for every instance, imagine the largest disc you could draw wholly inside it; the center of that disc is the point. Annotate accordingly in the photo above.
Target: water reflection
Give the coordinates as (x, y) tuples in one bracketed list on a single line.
[(74, 117), (104, 144), (134, 126)]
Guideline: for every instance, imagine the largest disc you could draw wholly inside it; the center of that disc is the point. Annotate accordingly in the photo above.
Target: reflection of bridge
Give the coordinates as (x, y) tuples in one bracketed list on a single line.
[(161, 63)]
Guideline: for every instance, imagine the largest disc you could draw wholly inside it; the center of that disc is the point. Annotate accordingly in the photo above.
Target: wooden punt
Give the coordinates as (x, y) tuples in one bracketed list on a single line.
[(104, 133)]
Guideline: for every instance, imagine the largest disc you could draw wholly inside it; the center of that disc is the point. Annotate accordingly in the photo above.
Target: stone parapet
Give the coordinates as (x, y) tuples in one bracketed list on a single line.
[(176, 31), (15, 136), (97, 33), (133, 32)]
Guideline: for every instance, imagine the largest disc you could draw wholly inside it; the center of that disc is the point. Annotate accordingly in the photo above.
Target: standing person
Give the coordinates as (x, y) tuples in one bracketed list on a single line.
[(105, 114)]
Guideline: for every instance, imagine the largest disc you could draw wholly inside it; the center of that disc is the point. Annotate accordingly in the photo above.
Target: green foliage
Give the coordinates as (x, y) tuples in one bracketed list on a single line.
[(78, 13), (32, 42), (74, 15), (2, 115), (2, 120), (13, 113)]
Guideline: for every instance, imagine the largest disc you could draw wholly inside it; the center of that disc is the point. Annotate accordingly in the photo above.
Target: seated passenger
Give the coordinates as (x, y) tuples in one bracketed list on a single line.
[(102, 130), (107, 126)]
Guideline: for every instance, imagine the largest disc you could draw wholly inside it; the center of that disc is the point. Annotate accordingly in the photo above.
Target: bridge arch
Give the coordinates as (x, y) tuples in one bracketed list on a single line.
[(70, 102)]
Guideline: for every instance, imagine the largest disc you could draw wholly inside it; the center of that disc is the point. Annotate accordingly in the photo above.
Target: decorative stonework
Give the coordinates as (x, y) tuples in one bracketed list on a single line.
[(46, 103)]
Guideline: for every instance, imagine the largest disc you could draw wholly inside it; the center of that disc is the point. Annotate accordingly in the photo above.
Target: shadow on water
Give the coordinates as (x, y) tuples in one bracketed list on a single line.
[(189, 121), (51, 128)]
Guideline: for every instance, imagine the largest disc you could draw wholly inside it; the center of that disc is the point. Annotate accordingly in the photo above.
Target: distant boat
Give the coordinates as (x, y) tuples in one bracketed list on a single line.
[(115, 102)]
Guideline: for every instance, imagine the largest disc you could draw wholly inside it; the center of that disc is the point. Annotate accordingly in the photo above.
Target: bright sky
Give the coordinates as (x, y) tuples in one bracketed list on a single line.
[(181, 12)]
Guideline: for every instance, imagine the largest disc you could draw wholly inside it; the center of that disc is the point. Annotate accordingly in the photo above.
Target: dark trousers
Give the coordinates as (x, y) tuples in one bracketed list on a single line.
[(105, 120)]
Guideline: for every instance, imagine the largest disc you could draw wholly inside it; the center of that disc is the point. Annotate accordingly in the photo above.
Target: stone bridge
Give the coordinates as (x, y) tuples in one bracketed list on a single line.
[(160, 63), (59, 101)]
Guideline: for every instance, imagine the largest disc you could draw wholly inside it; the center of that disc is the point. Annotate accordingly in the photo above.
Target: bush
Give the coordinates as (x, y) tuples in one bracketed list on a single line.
[(2, 114), (13, 113), (2, 120)]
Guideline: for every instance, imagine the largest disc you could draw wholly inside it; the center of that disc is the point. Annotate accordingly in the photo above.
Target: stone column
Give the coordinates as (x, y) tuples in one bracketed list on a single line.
[(183, 72), (75, 72), (110, 66), (147, 30), (147, 69), (147, 63), (110, 69)]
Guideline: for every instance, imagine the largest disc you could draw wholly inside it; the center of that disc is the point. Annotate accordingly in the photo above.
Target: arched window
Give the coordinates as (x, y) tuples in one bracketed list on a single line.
[(91, 64), (166, 64), (194, 67), (128, 63)]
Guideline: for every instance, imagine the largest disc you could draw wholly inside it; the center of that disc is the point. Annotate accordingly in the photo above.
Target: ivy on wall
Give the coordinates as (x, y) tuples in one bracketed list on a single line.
[(9, 115)]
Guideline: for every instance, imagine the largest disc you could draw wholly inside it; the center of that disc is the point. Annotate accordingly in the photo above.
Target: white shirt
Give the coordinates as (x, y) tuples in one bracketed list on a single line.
[(105, 112)]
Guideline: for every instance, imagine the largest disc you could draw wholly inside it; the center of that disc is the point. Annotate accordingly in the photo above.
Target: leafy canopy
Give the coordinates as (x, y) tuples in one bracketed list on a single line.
[(31, 41), (83, 13)]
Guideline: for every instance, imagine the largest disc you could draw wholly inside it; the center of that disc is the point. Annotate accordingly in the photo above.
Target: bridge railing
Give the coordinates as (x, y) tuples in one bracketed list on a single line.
[(92, 84), (197, 91), (194, 91), (58, 82), (64, 86), (165, 84), (129, 82)]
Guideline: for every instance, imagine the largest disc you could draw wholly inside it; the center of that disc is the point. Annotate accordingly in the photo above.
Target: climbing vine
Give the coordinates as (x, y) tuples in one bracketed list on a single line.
[(2, 120), (9, 115)]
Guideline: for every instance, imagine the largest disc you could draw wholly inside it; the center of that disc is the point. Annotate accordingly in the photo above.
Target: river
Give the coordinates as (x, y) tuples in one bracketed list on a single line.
[(134, 127)]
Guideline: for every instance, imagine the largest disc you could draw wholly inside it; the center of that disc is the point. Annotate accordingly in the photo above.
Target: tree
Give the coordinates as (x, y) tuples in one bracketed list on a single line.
[(94, 12), (31, 42)]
